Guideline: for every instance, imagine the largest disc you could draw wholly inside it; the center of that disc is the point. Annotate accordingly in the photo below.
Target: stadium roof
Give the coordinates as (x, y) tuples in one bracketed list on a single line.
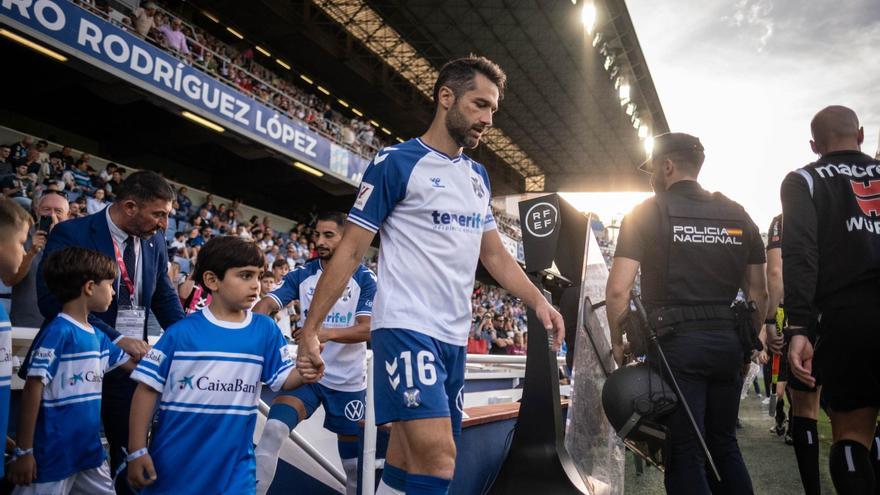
[(566, 122)]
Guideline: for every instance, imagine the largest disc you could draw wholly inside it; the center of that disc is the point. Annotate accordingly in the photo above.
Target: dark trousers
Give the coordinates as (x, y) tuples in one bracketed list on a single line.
[(118, 390), (707, 365)]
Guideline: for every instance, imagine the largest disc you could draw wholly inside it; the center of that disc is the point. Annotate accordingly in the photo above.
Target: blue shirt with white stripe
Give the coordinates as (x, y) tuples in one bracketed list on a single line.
[(208, 373), (431, 211), (5, 371), (70, 358), (345, 364)]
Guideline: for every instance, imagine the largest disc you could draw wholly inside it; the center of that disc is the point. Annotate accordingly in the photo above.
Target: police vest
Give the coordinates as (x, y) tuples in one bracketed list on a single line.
[(701, 251)]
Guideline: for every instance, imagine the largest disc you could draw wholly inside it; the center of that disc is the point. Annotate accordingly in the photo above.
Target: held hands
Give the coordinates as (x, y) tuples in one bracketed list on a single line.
[(552, 321), (800, 359), (141, 472), (24, 470), (136, 348), (308, 358)]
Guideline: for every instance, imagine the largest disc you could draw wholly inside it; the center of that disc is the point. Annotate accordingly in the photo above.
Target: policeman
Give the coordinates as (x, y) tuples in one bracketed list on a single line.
[(696, 250), (831, 263)]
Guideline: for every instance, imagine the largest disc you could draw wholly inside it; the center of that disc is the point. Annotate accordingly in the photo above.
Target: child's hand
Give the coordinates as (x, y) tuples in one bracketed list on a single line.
[(23, 470), (141, 472)]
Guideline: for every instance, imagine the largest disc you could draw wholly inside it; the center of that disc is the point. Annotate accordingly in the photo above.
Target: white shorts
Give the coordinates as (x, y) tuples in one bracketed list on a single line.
[(95, 481)]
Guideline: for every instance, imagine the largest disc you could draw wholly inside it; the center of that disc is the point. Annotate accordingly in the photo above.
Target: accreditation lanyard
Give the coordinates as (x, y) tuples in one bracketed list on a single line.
[(123, 272), (130, 320)]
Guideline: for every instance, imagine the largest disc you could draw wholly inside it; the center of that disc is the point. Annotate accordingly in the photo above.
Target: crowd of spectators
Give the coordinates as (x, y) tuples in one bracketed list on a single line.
[(498, 324), (236, 66)]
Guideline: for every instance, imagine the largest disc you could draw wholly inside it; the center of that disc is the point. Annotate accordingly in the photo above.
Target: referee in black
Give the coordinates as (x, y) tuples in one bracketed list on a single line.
[(696, 250), (831, 263)]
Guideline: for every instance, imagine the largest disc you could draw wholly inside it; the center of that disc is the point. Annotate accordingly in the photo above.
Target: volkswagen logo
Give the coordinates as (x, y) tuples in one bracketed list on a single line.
[(354, 410)]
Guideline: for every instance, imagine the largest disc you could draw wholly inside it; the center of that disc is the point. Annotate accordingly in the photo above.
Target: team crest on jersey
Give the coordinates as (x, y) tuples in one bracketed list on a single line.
[(346, 295), (477, 182), (867, 196), (412, 398)]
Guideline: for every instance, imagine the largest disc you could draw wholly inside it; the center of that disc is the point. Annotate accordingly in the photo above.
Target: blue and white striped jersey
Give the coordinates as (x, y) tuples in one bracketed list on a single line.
[(5, 371), (70, 358), (344, 364), (209, 372), (431, 211)]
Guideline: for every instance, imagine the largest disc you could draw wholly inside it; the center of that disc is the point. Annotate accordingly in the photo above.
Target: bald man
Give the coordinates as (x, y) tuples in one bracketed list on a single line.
[(831, 265), (23, 310)]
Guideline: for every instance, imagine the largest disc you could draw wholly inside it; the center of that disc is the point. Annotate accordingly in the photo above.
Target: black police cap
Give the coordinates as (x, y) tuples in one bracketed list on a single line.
[(668, 143)]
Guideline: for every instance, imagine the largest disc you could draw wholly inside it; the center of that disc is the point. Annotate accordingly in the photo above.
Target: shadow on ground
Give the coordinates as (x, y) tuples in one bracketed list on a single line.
[(771, 463)]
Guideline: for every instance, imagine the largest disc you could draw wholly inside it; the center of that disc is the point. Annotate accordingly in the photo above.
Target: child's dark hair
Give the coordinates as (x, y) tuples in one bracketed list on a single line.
[(67, 271), (222, 253), (267, 274)]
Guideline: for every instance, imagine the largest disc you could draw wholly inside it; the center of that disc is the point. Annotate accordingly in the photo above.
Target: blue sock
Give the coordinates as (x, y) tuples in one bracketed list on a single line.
[(394, 477), (422, 484), (284, 413), (348, 449)]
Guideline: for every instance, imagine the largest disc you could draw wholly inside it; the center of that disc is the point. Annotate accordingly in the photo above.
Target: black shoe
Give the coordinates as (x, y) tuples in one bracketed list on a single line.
[(788, 439)]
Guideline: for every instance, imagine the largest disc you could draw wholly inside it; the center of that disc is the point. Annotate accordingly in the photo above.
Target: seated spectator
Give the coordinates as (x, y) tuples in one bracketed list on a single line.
[(19, 150), (18, 187), (184, 201), (6, 167), (107, 173), (81, 178), (501, 339), (114, 183), (143, 19), (97, 203), (204, 236), (480, 338), (179, 243), (517, 348)]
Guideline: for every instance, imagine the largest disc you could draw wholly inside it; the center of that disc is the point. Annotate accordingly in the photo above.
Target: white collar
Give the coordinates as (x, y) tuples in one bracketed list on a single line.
[(87, 328), (118, 234), (228, 324)]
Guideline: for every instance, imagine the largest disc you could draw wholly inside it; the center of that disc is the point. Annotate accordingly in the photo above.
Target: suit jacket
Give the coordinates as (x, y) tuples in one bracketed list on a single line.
[(92, 232)]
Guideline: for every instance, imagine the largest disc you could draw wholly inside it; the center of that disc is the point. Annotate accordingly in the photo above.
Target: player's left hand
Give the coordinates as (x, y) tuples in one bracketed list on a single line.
[(552, 321)]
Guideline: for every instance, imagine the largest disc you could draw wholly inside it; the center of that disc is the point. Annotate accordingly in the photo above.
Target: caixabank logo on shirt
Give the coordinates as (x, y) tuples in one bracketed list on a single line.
[(213, 384), (701, 234)]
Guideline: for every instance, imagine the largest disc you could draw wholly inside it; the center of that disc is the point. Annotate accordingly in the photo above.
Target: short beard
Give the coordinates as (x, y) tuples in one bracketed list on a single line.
[(459, 128)]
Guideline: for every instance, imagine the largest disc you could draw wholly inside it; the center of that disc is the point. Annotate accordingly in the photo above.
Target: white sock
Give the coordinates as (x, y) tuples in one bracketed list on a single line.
[(387, 490), (351, 475), (267, 451)]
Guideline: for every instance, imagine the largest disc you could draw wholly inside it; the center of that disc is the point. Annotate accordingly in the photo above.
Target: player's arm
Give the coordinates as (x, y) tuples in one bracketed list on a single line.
[(355, 242), (800, 269), (141, 472), (293, 380), (359, 332), (508, 273), (266, 306), (774, 288), (24, 469), (755, 285)]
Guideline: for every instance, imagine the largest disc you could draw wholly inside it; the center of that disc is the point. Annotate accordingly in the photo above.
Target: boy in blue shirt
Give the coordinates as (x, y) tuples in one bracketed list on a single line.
[(205, 371), (59, 435), (14, 225)]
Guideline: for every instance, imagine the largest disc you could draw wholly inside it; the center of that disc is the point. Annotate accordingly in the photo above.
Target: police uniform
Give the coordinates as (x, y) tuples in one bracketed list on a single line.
[(694, 248), (831, 264)]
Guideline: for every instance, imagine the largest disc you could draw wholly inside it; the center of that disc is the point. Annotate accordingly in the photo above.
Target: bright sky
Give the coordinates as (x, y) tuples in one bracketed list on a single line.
[(746, 77)]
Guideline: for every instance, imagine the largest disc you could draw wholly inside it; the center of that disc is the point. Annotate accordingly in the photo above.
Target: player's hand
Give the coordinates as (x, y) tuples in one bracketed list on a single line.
[(552, 321), (136, 348), (800, 359), (24, 470), (141, 472), (308, 358), (772, 338)]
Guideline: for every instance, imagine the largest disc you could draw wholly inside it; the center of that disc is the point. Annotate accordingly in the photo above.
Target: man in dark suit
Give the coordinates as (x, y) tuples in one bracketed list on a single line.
[(130, 231)]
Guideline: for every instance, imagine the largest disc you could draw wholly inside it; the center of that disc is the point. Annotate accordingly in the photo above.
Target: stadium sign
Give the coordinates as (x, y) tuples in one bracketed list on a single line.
[(86, 36)]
